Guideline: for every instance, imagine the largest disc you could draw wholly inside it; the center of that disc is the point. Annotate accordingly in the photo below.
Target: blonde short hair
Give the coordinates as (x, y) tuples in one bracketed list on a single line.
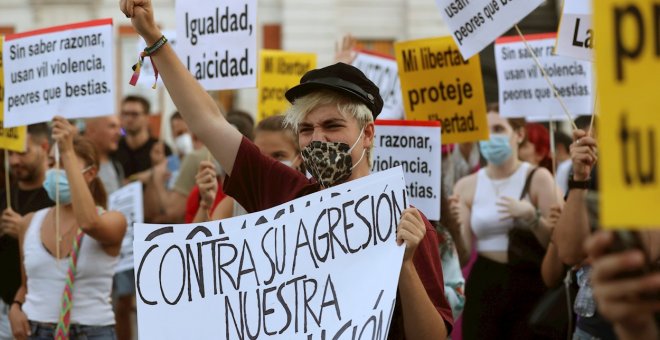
[(353, 108)]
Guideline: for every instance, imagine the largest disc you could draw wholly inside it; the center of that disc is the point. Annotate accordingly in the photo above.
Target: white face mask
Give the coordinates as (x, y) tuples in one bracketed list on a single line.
[(184, 144)]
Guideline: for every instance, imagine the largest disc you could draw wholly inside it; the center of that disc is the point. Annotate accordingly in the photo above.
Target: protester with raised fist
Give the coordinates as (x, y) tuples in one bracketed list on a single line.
[(502, 205), (333, 111), (68, 266)]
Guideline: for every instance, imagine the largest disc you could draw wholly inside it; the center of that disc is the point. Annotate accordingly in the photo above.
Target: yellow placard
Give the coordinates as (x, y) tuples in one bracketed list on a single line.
[(12, 139), (438, 84), (628, 66), (278, 72)]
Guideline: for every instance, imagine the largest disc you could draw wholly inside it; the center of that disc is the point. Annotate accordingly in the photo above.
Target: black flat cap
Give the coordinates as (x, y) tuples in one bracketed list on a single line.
[(342, 78)]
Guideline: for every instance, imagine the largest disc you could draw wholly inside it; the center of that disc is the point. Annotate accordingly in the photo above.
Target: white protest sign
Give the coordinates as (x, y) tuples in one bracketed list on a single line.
[(416, 147), (523, 92), (217, 42), (64, 70), (293, 271), (477, 23), (575, 37), (383, 72), (127, 201), (147, 74)]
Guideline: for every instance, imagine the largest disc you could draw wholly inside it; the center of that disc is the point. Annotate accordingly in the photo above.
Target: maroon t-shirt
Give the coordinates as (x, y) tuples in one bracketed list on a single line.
[(259, 182)]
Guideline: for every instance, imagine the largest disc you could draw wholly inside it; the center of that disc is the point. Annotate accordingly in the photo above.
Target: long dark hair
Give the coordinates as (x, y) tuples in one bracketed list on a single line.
[(87, 152)]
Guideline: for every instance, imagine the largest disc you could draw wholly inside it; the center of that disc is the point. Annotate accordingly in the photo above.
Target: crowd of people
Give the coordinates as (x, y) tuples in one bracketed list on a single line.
[(518, 252)]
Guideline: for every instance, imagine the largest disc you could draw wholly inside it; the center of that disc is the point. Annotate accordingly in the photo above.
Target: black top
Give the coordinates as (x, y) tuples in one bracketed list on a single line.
[(23, 202), (134, 161)]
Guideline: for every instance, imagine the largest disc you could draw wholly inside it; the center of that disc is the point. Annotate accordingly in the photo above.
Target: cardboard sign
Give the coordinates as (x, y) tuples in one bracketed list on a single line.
[(575, 37), (128, 201), (293, 271), (477, 23), (416, 147), (438, 84), (524, 92), (628, 62), (278, 72), (382, 70), (217, 42), (63, 70), (12, 139)]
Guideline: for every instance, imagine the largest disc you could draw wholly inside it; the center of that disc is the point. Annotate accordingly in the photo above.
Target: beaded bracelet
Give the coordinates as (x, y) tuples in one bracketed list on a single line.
[(148, 52)]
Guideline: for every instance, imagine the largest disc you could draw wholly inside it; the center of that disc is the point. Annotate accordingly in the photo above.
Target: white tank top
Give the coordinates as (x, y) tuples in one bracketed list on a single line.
[(46, 279), (493, 233)]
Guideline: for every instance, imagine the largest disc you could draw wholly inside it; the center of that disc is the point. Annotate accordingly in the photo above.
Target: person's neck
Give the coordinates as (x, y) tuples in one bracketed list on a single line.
[(36, 183), (137, 140), (504, 170), (466, 150)]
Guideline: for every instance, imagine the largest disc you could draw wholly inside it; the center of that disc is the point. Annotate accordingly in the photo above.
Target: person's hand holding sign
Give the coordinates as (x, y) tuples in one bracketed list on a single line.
[(63, 133), (626, 299), (142, 18), (584, 153), (411, 230), (11, 223)]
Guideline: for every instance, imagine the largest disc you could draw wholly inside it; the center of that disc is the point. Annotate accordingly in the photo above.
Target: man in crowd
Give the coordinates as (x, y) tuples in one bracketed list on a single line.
[(28, 170), (105, 133), (134, 151)]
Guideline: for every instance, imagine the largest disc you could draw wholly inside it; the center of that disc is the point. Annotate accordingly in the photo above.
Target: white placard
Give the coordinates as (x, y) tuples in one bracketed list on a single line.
[(575, 37), (383, 71), (216, 41), (524, 92), (64, 70), (289, 272), (416, 147), (475, 24), (128, 201)]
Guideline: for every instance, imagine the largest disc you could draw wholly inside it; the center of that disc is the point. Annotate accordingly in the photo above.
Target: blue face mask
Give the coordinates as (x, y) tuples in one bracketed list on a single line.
[(50, 184), (497, 149)]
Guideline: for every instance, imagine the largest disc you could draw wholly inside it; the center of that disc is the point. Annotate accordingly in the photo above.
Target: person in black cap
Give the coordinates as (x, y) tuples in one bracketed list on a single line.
[(333, 111)]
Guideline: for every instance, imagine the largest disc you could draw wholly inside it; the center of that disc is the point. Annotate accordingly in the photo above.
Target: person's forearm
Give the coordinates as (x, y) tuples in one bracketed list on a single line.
[(462, 245), (84, 207), (150, 201), (202, 214), (20, 293), (552, 269), (420, 318), (572, 228), (197, 107)]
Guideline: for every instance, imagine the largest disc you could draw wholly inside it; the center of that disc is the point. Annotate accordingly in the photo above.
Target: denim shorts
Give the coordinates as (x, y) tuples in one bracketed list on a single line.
[(46, 331)]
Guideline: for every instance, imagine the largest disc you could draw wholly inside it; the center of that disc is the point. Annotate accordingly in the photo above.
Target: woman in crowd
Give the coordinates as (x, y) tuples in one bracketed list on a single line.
[(274, 140), (68, 276), (535, 149), (499, 294)]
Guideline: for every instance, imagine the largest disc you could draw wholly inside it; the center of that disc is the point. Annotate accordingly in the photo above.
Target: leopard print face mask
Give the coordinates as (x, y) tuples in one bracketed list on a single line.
[(330, 162)]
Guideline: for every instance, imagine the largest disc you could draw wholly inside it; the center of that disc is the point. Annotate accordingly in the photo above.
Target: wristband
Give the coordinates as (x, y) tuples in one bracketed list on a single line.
[(573, 184), (148, 52)]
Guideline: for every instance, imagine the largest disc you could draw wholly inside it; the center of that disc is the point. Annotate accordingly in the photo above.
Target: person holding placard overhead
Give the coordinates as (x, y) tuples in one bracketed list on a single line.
[(505, 205), (68, 264), (333, 113)]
